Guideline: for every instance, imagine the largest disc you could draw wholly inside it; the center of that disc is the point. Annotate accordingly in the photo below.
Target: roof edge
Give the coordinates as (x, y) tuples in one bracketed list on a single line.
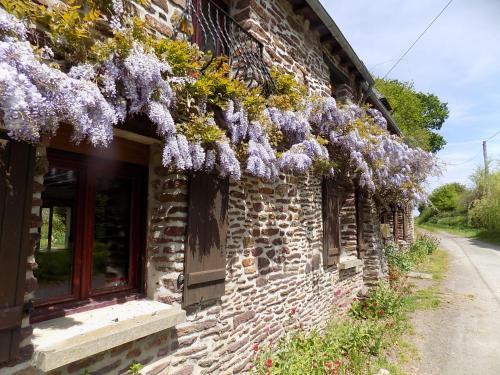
[(381, 107), (321, 12)]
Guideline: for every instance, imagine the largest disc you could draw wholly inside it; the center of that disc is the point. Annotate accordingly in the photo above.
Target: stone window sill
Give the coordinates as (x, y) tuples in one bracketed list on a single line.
[(346, 264), (61, 341)]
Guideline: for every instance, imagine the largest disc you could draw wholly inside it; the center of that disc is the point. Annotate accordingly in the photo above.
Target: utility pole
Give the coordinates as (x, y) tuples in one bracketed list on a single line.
[(485, 156)]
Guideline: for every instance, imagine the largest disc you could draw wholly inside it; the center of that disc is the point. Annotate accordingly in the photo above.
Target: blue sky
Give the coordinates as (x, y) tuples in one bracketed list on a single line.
[(458, 59)]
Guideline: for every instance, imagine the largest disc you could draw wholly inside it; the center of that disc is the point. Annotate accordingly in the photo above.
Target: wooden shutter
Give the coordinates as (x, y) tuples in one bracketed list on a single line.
[(16, 183), (405, 224), (395, 225), (331, 223), (360, 218), (205, 259)]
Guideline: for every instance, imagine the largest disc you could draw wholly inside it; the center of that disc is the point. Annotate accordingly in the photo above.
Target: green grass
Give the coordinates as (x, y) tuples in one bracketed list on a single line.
[(429, 298), (424, 299), (435, 264), (477, 234), (376, 333)]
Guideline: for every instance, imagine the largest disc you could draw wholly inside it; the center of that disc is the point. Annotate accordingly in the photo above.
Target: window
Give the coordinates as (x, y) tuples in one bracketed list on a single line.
[(91, 237), (210, 26)]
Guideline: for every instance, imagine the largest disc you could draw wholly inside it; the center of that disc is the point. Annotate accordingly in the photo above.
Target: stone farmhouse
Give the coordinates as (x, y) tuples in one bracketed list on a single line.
[(201, 269)]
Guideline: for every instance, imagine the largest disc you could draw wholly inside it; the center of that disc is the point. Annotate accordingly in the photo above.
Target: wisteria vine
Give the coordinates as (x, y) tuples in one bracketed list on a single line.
[(35, 98)]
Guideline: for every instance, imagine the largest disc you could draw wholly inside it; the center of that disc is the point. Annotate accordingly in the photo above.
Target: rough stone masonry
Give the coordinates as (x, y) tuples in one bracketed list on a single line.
[(275, 278)]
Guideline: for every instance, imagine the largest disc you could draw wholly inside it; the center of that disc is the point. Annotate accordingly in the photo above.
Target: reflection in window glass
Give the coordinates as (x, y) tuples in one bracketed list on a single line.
[(55, 254), (111, 255)]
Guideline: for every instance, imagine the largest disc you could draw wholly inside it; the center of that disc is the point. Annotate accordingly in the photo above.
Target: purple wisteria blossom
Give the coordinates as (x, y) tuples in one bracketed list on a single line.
[(237, 121), (261, 160), (198, 156), (294, 125), (176, 153), (378, 117), (325, 116), (115, 20), (35, 98), (228, 163), (210, 160)]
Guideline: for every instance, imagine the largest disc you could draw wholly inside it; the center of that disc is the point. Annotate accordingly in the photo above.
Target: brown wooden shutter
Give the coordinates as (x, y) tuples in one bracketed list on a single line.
[(360, 218), (205, 259), (405, 224), (331, 223), (395, 225), (16, 184)]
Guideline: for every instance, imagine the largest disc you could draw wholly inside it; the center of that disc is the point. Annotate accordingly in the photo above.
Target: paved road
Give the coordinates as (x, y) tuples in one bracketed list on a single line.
[(463, 337)]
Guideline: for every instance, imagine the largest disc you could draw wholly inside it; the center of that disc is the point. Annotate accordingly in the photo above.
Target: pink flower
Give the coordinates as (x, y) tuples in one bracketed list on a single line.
[(269, 362)]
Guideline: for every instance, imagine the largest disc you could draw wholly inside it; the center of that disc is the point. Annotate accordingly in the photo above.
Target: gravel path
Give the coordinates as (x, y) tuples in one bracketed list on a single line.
[(463, 336)]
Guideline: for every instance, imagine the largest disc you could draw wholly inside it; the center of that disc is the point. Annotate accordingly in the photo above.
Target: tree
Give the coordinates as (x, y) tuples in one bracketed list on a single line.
[(419, 115), (448, 196)]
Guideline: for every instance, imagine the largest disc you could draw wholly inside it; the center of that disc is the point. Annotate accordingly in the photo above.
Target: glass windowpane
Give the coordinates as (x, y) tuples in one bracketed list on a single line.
[(111, 252), (55, 254)]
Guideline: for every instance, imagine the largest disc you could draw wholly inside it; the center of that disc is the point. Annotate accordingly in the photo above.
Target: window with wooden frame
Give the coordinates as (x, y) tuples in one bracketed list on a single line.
[(92, 233), (331, 223), (209, 25), (205, 258)]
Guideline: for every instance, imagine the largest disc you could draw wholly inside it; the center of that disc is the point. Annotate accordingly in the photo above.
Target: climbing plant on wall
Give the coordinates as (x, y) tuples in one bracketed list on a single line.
[(61, 65)]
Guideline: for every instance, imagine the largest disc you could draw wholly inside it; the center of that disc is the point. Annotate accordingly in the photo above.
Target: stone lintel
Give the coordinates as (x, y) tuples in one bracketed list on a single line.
[(62, 341), (346, 264)]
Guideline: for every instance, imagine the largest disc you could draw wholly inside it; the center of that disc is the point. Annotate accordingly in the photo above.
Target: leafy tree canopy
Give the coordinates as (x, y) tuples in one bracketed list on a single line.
[(447, 197), (419, 115)]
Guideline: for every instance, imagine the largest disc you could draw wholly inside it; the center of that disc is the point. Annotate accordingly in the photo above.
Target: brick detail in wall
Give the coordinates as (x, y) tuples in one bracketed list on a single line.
[(168, 207), (348, 229), (288, 40), (275, 281), (375, 262), (287, 37), (274, 278), (411, 225)]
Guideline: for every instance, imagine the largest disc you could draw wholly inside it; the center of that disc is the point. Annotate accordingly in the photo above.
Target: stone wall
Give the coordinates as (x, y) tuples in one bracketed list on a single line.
[(375, 263), (167, 222), (275, 279), (348, 229), (288, 40)]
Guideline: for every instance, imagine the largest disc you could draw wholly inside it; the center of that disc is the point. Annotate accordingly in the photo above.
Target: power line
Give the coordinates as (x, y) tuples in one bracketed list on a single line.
[(463, 162), (493, 136), (419, 37), (475, 156), (382, 63)]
